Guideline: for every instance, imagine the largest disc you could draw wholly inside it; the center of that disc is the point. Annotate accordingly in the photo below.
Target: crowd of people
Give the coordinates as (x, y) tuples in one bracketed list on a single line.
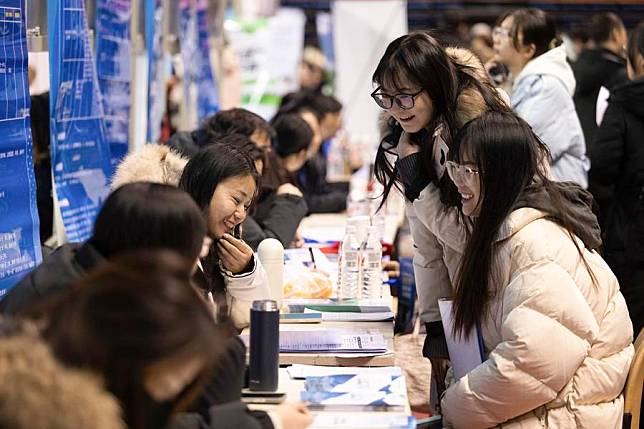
[(525, 201)]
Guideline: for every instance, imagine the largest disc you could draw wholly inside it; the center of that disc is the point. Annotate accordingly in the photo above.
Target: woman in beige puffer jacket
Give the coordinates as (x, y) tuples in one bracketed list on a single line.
[(557, 338)]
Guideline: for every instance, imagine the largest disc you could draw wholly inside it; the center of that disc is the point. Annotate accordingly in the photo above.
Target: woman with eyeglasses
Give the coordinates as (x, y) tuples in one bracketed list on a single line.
[(428, 93), (555, 328), (541, 85)]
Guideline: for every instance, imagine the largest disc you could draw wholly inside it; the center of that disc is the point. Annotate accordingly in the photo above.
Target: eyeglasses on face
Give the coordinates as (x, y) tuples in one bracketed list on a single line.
[(501, 33), (403, 100), (461, 173)]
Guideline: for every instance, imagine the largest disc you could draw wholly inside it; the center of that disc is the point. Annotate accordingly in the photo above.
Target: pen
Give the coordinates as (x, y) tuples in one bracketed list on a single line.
[(312, 258)]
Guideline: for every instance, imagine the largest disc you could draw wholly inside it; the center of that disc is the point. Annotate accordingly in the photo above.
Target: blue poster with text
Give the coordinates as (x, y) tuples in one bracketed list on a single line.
[(19, 237), (79, 149), (156, 75), (113, 53)]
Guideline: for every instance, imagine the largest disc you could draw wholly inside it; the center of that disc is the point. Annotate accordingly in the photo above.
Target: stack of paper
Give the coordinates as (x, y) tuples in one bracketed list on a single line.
[(332, 341), (356, 392)]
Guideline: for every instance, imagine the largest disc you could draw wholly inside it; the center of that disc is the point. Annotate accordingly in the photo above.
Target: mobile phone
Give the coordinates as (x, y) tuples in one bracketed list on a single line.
[(253, 397)]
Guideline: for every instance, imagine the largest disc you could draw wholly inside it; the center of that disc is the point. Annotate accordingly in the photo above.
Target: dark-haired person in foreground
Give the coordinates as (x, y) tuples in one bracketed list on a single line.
[(134, 217), (157, 356)]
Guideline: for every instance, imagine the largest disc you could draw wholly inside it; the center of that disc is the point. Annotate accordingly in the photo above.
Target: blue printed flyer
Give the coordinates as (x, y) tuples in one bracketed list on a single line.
[(19, 237), (79, 148)]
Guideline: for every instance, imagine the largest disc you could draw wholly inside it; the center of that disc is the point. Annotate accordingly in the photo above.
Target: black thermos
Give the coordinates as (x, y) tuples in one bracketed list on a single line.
[(264, 346)]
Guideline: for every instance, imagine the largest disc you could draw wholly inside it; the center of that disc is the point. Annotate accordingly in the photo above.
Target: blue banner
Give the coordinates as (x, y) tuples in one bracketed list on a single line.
[(156, 75), (207, 90), (195, 51), (19, 237), (113, 53), (79, 149)]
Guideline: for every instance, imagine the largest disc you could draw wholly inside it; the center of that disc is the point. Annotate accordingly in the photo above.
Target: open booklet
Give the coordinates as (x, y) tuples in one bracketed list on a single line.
[(355, 392), (465, 352)]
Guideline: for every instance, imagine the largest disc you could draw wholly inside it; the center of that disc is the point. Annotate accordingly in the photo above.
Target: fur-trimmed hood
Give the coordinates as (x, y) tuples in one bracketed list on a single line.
[(38, 392), (151, 163)]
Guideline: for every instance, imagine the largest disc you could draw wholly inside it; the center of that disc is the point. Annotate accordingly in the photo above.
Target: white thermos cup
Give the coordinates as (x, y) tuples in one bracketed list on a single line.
[(271, 255)]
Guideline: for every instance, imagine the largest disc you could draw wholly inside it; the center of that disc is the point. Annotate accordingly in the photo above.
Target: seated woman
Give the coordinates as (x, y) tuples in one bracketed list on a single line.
[(135, 216), (530, 278), (223, 182), (155, 357), (279, 207)]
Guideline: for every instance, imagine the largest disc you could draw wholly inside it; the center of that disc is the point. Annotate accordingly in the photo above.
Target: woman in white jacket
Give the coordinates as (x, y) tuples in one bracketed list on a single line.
[(542, 86), (223, 182), (555, 327)]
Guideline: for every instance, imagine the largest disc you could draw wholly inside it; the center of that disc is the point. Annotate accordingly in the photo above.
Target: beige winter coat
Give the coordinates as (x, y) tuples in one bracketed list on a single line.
[(157, 163), (559, 347), (433, 260)]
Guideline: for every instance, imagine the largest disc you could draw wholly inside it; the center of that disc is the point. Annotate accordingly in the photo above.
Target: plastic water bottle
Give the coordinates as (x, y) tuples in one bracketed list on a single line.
[(350, 265), (372, 265)]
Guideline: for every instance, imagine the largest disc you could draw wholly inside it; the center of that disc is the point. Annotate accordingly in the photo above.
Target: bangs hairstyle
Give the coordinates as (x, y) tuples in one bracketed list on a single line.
[(509, 157), (420, 59), (211, 166), (146, 215), (536, 26)]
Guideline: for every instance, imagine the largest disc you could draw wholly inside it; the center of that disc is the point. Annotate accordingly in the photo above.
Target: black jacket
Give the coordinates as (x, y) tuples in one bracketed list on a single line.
[(617, 181), (320, 196), (593, 69), (275, 216), (61, 269), (185, 143), (220, 405)]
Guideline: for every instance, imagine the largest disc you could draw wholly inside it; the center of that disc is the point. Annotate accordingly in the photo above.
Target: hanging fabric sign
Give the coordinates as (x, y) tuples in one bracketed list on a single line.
[(156, 70), (19, 237), (207, 91), (80, 150), (113, 53)]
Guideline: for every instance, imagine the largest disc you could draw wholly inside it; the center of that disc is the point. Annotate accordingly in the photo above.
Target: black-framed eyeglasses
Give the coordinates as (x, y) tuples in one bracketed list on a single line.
[(403, 100)]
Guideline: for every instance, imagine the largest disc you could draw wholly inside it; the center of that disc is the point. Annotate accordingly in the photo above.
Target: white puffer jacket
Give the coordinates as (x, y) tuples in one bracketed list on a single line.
[(558, 345), (157, 163)]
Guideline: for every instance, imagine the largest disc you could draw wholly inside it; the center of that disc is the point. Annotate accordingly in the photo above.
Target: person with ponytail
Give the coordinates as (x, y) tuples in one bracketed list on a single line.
[(427, 93), (555, 328), (541, 85)]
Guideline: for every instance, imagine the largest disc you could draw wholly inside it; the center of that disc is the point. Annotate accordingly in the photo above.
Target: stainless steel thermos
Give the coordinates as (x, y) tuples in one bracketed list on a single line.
[(264, 346)]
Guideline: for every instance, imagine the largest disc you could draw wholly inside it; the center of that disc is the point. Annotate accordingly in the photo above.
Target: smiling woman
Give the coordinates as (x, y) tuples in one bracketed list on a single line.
[(223, 181)]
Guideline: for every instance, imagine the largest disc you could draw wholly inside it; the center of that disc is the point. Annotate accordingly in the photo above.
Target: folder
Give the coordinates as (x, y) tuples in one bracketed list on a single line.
[(465, 352)]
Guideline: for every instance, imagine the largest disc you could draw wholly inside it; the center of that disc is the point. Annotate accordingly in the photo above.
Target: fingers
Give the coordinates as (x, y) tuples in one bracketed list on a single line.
[(233, 253)]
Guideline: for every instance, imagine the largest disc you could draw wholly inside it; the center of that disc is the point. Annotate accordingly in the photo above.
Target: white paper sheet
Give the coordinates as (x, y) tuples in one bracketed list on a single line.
[(464, 353)]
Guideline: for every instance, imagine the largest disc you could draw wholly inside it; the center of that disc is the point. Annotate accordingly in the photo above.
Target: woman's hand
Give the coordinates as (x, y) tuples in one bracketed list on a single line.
[(294, 415), (392, 268), (298, 240), (234, 254)]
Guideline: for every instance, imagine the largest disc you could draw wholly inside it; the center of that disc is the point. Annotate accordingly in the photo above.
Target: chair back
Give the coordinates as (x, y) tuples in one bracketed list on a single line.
[(633, 388)]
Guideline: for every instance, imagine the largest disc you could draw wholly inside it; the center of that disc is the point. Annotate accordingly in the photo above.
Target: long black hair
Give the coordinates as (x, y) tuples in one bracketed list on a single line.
[(509, 158), (200, 178), (420, 59), (149, 216)]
